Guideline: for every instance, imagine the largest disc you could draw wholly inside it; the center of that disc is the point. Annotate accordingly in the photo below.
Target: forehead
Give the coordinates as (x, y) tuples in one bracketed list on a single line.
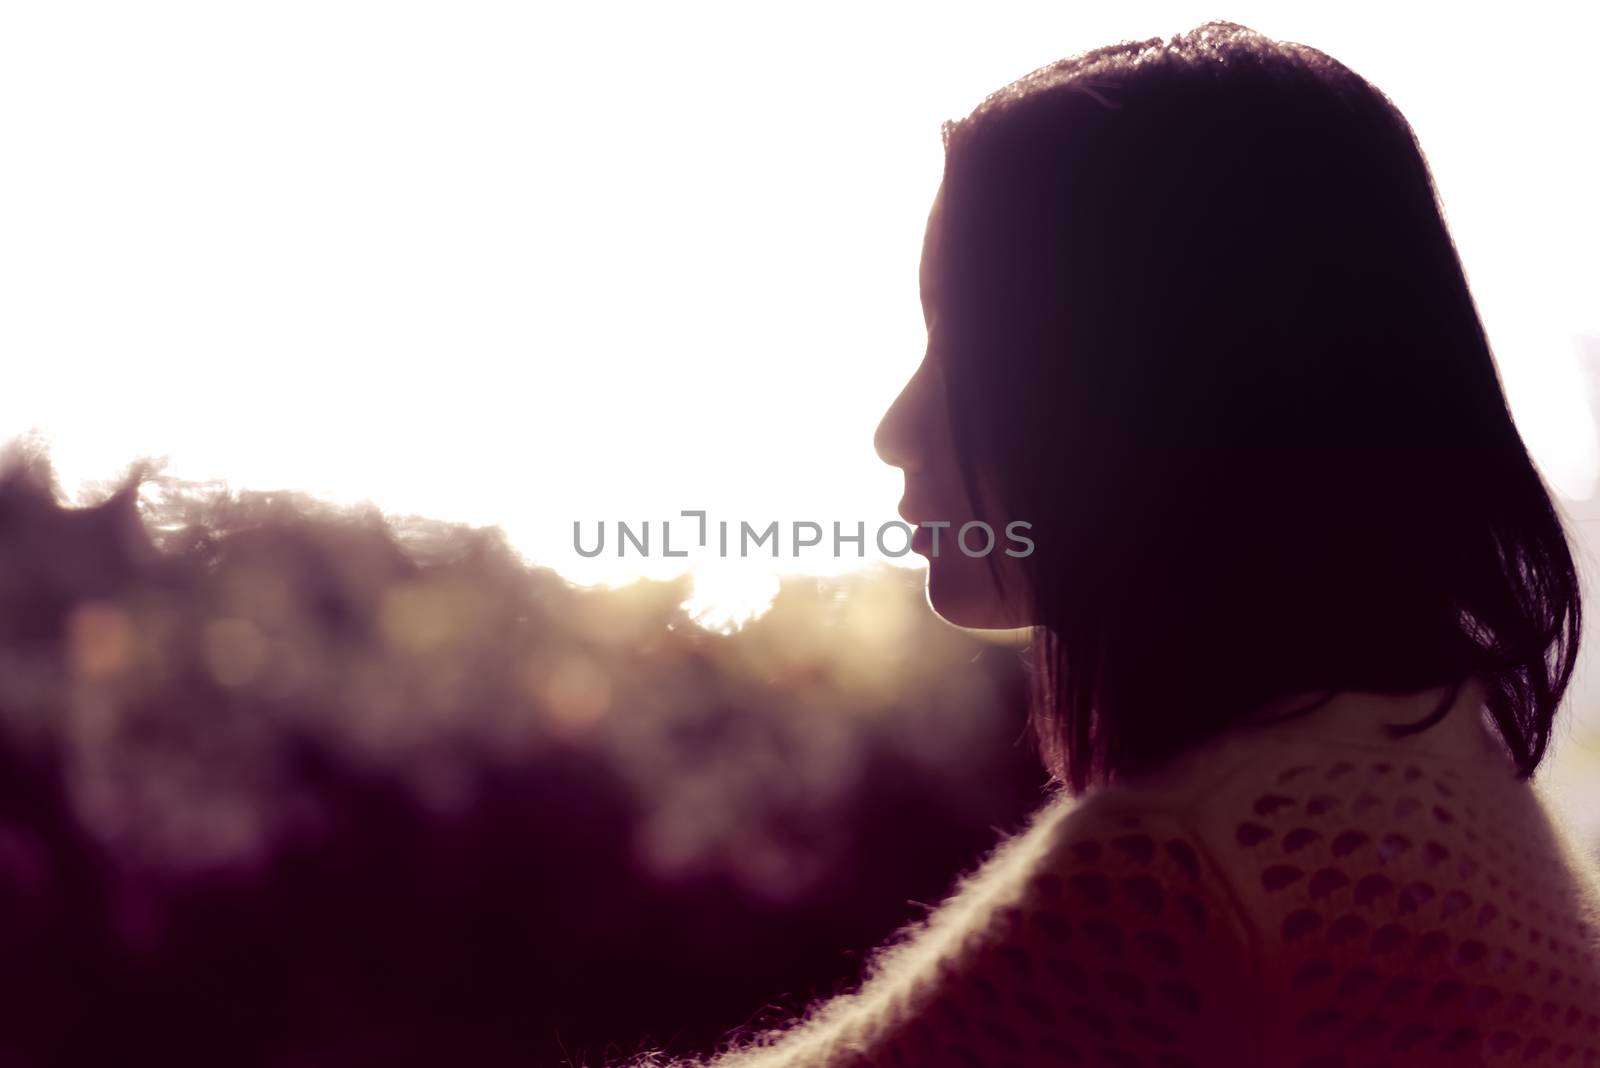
[(930, 245)]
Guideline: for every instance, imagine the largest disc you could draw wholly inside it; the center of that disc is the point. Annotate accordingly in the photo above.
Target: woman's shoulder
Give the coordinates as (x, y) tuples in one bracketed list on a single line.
[(1098, 934), (1412, 899), (1122, 942), (1265, 901)]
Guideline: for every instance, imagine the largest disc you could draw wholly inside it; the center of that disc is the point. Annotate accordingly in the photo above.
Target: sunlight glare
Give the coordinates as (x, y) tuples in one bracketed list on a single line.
[(519, 266)]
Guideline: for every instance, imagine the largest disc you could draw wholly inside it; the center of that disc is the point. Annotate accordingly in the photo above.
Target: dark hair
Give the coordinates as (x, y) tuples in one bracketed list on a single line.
[(1201, 317)]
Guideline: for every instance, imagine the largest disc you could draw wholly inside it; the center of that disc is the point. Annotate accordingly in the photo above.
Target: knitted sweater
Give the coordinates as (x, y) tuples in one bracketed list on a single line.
[(1303, 893)]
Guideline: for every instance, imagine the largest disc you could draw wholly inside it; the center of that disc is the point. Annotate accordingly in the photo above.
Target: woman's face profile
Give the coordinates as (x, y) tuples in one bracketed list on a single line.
[(915, 436)]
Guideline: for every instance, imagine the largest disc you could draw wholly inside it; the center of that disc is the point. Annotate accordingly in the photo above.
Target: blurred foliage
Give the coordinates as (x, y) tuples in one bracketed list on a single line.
[(291, 785)]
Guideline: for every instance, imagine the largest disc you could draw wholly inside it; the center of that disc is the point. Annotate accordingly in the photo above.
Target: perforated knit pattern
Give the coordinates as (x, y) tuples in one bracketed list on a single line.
[(1286, 900), (1412, 914)]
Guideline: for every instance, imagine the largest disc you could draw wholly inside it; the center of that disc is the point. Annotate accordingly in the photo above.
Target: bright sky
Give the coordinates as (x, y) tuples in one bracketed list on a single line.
[(522, 264)]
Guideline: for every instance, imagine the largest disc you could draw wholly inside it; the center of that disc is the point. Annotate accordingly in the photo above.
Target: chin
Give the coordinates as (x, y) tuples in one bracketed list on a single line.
[(962, 593)]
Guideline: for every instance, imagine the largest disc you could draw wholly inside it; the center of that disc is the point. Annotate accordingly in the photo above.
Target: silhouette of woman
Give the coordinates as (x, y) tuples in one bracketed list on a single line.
[(1303, 607)]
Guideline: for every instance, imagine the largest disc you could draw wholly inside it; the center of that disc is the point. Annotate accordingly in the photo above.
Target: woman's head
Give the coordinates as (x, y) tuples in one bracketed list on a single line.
[(1194, 315)]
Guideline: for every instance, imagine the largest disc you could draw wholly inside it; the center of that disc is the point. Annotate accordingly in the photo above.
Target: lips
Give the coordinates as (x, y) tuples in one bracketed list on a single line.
[(921, 537)]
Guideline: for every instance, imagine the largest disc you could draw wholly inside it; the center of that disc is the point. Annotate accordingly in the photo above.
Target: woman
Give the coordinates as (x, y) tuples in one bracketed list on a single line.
[(1304, 607)]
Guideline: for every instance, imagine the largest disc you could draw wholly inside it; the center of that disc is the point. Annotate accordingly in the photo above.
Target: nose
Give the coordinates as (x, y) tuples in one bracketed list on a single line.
[(896, 435)]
